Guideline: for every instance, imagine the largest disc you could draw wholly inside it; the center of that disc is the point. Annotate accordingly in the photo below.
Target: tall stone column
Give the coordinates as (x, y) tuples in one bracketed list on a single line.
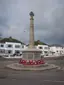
[(31, 33), (31, 53)]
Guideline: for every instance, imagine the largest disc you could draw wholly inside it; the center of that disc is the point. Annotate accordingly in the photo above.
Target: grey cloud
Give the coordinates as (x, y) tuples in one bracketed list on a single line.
[(3, 21), (48, 19)]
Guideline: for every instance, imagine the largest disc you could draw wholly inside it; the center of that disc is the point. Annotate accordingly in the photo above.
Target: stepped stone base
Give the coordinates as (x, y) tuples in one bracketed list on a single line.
[(31, 54), (17, 66)]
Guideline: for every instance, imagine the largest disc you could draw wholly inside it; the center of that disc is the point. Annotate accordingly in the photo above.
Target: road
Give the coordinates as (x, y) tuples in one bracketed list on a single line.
[(12, 77)]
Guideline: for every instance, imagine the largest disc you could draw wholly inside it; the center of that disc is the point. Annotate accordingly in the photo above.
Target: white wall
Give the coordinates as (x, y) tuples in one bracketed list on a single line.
[(56, 50), (51, 51), (44, 49), (13, 48)]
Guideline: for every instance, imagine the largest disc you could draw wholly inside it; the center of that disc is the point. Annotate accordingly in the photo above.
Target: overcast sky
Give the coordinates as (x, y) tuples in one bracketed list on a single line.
[(48, 20)]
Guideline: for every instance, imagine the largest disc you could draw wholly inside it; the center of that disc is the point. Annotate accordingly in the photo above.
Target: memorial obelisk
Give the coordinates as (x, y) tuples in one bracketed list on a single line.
[(31, 53), (31, 36)]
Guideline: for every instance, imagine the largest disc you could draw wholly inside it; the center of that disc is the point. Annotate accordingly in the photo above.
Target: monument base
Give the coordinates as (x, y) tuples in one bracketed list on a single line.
[(31, 54), (31, 57), (31, 61)]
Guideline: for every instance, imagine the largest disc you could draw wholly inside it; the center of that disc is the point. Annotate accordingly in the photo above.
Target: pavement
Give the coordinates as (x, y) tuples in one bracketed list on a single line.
[(13, 77)]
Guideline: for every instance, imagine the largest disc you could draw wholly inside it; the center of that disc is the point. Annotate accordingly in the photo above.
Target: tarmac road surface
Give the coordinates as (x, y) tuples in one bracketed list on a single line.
[(12, 77)]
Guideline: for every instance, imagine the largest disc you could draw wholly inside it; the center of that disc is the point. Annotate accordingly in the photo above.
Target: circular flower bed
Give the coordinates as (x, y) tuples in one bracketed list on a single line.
[(31, 62)]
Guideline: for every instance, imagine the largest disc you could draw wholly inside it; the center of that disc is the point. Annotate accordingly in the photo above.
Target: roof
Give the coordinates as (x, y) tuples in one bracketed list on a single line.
[(57, 45)]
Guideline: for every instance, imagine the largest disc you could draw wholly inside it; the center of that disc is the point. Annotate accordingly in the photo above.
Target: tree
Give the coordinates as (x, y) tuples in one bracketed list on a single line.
[(10, 39), (38, 42)]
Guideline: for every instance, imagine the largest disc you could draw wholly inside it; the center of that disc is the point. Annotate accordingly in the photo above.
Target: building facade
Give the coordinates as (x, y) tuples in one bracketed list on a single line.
[(56, 50), (11, 48), (51, 51), (15, 49), (44, 48)]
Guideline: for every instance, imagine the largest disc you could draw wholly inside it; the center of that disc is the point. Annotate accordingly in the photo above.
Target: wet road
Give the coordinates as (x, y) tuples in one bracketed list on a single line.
[(12, 77)]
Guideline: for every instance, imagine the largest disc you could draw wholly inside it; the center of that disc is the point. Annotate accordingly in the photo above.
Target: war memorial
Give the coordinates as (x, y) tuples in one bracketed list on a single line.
[(31, 57)]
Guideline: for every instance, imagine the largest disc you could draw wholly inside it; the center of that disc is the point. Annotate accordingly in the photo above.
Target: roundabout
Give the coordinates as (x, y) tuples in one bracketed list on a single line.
[(32, 59), (41, 67)]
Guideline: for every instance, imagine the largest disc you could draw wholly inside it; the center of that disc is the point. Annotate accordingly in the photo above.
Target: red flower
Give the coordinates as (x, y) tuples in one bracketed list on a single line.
[(39, 61), (24, 62), (31, 62), (42, 62)]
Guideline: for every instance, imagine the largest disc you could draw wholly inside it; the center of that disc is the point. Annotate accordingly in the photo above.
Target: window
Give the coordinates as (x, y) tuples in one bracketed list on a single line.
[(22, 46), (45, 52), (9, 51), (2, 45), (17, 46), (17, 51), (40, 48), (9, 46), (53, 53)]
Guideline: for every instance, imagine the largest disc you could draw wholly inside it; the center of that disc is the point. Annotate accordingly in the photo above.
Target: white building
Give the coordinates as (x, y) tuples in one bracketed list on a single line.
[(51, 51), (44, 48), (56, 50), (11, 48)]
